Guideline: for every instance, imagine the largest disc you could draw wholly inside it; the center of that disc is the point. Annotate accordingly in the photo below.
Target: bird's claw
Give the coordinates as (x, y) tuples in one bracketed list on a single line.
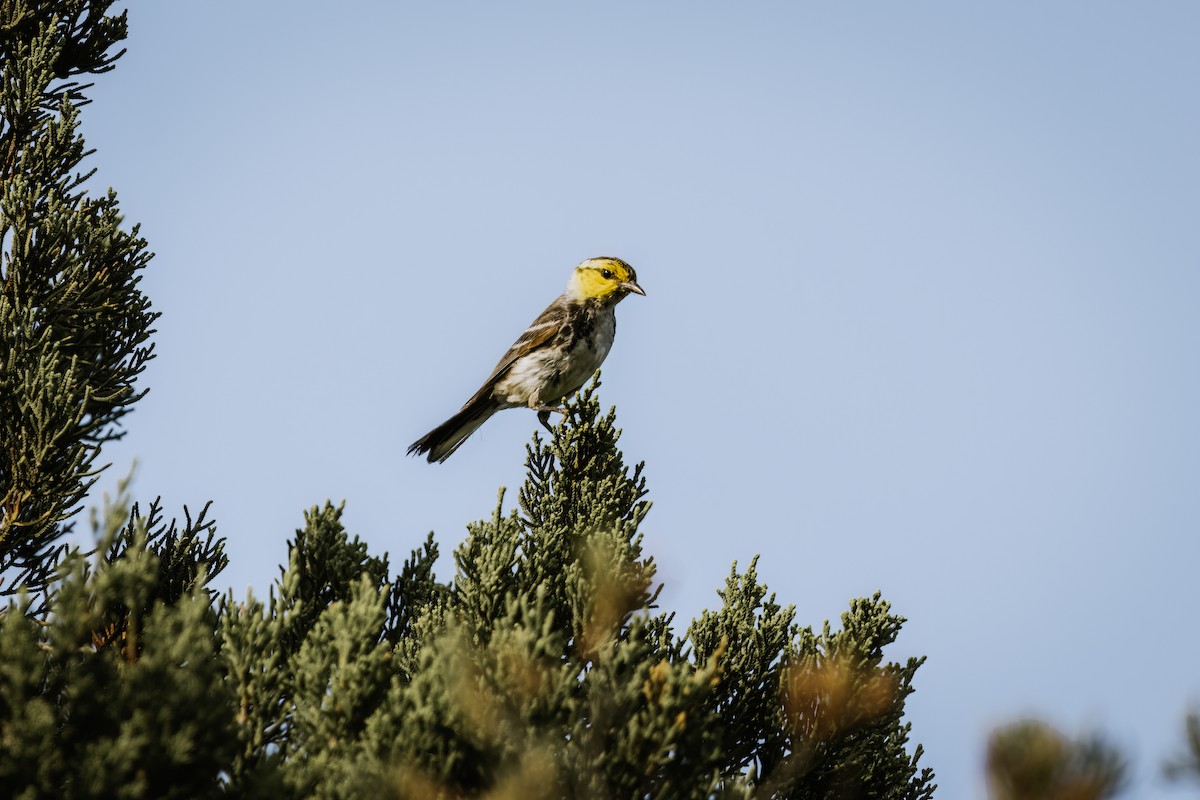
[(544, 415)]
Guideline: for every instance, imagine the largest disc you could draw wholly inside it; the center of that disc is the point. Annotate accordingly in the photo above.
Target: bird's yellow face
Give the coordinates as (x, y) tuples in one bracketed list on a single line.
[(603, 279)]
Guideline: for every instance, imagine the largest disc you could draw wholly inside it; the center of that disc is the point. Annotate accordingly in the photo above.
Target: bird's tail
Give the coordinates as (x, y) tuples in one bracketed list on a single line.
[(441, 442)]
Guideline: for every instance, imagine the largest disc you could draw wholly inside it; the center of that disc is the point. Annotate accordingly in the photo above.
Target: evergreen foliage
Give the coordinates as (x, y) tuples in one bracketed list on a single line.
[(1029, 760), (73, 324), (542, 669), (1187, 766), (88, 714)]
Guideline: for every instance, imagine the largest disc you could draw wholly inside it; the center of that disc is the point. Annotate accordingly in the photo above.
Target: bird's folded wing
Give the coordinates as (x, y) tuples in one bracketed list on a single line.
[(539, 332)]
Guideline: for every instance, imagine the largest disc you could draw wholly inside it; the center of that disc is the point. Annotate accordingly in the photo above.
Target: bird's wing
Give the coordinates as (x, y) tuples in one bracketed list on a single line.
[(539, 332)]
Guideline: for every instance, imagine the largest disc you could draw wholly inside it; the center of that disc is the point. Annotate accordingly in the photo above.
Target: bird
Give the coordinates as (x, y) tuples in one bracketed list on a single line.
[(550, 361)]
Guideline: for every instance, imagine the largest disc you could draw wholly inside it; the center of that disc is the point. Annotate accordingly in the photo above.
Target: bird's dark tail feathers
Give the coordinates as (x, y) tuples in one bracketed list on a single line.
[(441, 442)]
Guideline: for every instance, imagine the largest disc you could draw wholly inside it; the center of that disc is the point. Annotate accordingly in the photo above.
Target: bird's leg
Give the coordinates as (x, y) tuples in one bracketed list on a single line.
[(544, 415)]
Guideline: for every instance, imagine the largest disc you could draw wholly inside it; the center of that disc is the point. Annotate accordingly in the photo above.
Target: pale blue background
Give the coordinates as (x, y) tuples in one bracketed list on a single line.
[(922, 316)]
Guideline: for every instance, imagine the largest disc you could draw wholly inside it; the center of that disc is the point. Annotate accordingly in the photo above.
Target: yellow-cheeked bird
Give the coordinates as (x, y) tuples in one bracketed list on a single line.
[(551, 359)]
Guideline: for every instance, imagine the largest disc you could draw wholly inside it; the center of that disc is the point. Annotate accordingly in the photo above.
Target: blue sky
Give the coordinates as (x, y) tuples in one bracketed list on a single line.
[(922, 290)]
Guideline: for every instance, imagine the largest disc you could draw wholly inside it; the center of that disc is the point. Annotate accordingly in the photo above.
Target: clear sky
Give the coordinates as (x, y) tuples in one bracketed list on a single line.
[(922, 278)]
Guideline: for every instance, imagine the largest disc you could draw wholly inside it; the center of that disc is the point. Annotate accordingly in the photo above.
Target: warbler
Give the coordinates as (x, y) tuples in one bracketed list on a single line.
[(549, 361)]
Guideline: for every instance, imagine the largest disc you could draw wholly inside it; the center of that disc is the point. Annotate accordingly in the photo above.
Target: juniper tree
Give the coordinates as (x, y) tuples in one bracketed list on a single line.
[(1187, 765), (543, 668), (540, 669), (1030, 760), (74, 326), (120, 692)]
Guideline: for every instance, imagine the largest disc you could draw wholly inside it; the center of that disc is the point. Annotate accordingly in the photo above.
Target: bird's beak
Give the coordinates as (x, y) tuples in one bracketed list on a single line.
[(631, 286)]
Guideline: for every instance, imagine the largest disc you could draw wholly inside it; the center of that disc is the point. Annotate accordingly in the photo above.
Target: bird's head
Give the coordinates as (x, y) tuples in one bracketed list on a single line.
[(606, 279)]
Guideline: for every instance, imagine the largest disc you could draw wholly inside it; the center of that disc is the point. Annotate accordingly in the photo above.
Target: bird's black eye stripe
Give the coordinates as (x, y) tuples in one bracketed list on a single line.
[(606, 274)]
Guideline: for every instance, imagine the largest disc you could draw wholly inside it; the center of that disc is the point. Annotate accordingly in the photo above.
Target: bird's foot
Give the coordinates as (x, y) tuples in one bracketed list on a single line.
[(544, 415)]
